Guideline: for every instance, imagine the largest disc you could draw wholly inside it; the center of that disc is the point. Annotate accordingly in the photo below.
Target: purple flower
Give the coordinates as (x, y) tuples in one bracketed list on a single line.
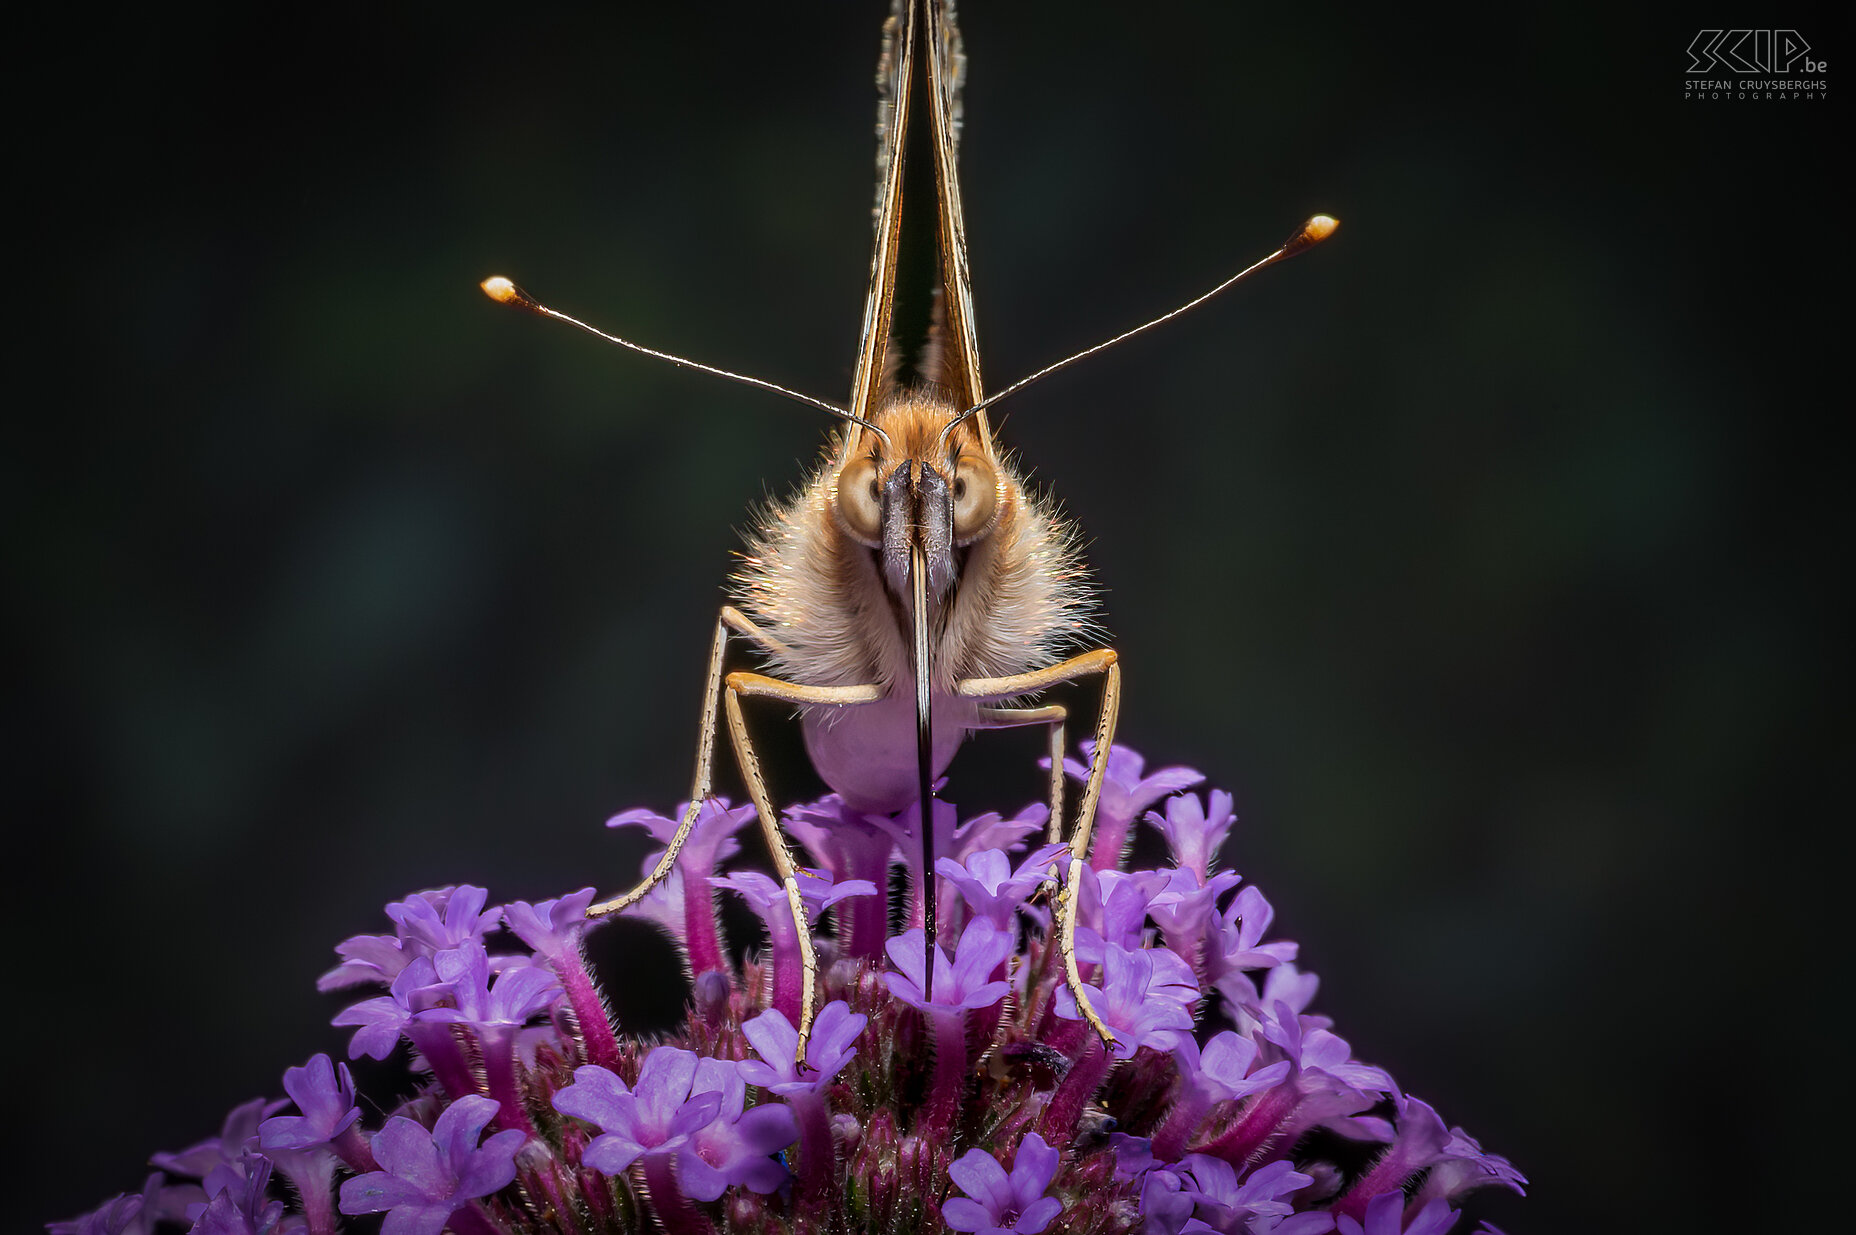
[(1332, 1082), (1240, 934), (1385, 1216), (365, 958), (427, 923), (851, 846), (848, 843), (1223, 1068), (239, 1204), (552, 926), (733, 1148), (992, 889), (657, 1118), (1186, 910), (861, 1134), (1165, 1207), (767, 895), (520, 991), (966, 982), (1463, 1167), (428, 1175), (905, 829), (806, 1086), (684, 905), (555, 929), (711, 840), (1125, 792), (494, 1016), (434, 921), (324, 1092), (1144, 995), (773, 1036), (1225, 1204), (382, 1019), (1001, 1202), (768, 898), (1325, 1087), (131, 1214), (994, 831), (1193, 832), (1284, 984), (1112, 906), (1308, 1222), (1423, 1143), (667, 908), (239, 1131), (1125, 795)]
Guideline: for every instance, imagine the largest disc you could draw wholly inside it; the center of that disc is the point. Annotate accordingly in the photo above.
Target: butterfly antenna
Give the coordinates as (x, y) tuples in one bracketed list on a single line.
[(503, 291), (1312, 233)]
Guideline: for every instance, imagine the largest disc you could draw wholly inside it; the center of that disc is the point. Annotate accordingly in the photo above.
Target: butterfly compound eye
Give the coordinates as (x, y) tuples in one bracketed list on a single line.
[(860, 500), (976, 498)]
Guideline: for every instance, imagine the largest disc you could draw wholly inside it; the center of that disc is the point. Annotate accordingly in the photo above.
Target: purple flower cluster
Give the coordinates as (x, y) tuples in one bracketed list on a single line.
[(1223, 1105)]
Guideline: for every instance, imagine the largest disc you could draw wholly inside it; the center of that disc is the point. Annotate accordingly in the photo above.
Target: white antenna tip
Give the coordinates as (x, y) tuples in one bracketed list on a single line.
[(1310, 234), (503, 291)]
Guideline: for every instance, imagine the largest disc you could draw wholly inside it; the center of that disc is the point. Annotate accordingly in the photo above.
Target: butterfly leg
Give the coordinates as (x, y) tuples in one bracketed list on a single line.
[(1053, 715), (731, 620), (760, 686), (1103, 661)]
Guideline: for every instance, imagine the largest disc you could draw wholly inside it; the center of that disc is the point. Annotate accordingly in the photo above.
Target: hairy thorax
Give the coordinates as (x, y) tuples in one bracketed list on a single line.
[(1020, 598)]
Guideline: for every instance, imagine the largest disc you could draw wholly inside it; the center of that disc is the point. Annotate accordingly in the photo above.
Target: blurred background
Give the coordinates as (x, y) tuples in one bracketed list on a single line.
[(1492, 554)]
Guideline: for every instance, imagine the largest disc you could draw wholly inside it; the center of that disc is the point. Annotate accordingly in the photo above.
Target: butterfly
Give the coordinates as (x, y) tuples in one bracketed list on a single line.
[(915, 591)]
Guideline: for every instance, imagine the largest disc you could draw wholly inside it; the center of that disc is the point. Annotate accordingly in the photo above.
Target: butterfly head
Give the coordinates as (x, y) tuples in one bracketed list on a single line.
[(917, 486)]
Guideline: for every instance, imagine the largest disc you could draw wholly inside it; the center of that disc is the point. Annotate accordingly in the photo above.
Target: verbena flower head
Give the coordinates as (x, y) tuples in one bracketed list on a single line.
[(1223, 1105)]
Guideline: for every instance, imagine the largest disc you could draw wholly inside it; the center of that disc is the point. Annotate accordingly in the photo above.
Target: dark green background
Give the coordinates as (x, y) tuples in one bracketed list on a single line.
[(1493, 554)]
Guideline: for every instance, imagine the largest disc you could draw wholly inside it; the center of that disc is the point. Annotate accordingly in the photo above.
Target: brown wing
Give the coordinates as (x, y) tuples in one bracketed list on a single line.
[(946, 70), (895, 74), (918, 118)]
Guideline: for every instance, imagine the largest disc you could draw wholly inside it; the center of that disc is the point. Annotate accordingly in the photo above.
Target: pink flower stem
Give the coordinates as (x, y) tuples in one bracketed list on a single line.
[(1065, 1037), (597, 1192), (589, 1005), (472, 1220), (1110, 839), (440, 1048), (916, 916), (863, 921), (499, 1075), (950, 1072), (789, 971), (1261, 1120), (1390, 1172), (311, 1173), (354, 1151), (1074, 1091), (547, 1183), (318, 1209), (699, 937), (983, 1023), (1187, 1112), (674, 1210), (817, 1150)]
